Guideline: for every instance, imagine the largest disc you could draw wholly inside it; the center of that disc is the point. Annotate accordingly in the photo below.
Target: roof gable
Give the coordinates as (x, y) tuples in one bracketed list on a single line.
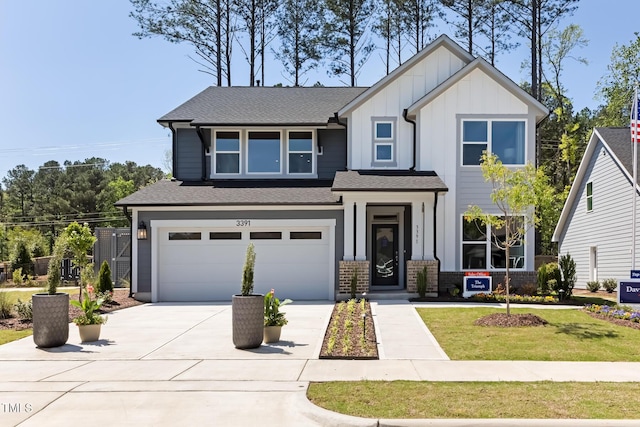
[(494, 74), (442, 41)]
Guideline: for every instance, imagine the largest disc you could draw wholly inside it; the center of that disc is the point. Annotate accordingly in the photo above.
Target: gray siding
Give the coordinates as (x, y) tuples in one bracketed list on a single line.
[(607, 226), (188, 155), (144, 246), (334, 157)]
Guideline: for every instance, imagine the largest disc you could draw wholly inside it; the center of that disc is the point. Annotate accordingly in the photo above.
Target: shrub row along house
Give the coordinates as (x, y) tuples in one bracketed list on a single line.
[(333, 182)]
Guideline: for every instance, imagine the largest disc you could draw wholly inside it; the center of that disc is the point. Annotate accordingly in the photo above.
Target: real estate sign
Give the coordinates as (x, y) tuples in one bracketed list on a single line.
[(629, 292), (476, 282)]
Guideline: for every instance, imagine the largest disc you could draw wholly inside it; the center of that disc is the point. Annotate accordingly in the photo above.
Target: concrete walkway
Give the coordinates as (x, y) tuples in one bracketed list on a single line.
[(175, 364)]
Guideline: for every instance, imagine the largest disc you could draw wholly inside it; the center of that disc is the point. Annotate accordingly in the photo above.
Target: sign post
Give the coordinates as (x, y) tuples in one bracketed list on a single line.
[(476, 282)]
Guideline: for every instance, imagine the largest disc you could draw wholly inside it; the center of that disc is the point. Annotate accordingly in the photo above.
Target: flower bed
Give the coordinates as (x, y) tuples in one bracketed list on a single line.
[(351, 333), (491, 297), (619, 315)]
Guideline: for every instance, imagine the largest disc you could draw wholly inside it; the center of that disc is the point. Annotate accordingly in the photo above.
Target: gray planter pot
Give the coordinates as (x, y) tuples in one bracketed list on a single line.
[(247, 320), (50, 319)]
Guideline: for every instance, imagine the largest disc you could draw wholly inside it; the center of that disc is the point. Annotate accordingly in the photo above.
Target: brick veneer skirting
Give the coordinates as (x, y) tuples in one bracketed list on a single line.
[(413, 266), (347, 270), (448, 279)]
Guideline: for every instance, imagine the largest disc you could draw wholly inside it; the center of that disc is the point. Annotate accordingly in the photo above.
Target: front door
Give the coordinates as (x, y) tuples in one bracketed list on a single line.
[(385, 254)]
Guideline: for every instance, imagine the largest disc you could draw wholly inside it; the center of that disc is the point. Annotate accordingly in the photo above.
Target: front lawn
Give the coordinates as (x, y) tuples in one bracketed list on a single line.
[(412, 399), (571, 335)]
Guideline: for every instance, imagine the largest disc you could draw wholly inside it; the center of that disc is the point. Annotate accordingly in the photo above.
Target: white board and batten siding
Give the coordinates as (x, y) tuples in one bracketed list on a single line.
[(391, 100), (211, 270), (607, 227)]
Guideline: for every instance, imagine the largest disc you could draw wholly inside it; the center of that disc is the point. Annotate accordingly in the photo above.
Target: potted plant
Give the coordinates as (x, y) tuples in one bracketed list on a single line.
[(247, 309), (274, 319), (89, 322), (51, 309)]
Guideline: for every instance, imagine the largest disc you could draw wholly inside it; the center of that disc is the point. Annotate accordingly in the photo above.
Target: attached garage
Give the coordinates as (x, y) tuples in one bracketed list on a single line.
[(202, 260)]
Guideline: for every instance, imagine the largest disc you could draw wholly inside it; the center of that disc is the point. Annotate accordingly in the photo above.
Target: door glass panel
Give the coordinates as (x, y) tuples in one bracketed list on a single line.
[(385, 264)]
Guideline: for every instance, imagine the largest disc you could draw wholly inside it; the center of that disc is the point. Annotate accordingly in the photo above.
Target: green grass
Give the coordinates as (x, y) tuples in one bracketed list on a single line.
[(9, 335), (411, 399), (571, 335)]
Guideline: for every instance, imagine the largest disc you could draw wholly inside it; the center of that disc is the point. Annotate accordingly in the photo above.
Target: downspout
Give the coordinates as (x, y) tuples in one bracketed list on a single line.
[(128, 215), (406, 119), (435, 234), (204, 153), (173, 149)]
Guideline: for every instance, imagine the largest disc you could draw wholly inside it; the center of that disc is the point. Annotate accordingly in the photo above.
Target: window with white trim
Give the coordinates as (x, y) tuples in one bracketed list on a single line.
[(504, 138), (589, 196), (480, 251), (383, 140), (300, 147), (227, 152), (264, 152)]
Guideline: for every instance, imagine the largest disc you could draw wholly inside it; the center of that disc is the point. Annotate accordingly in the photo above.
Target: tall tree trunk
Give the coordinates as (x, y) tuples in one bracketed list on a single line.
[(219, 43)]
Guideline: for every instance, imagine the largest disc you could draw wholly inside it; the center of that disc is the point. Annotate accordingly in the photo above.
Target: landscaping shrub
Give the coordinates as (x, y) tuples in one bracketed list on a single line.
[(610, 285), (421, 281), (104, 278), (528, 289), (5, 306), (568, 274), (354, 284), (22, 260), (593, 285), (546, 273), (24, 309), (17, 276)]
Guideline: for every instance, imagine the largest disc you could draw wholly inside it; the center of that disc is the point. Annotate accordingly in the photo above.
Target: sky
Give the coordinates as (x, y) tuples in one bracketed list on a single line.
[(75, 83)]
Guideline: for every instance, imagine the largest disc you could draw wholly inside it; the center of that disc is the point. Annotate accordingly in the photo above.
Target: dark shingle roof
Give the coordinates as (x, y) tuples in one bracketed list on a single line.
[(263, 105), (256, 192), (388, 181), (619, 140)]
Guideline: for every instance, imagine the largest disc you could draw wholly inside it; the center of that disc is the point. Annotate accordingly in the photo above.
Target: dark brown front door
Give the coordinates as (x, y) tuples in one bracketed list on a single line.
[(385, 254)]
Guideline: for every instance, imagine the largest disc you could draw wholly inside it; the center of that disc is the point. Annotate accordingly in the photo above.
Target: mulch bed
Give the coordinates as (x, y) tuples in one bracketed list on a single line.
[(121, 300), (344, 336), (504, 320), (619, 322)]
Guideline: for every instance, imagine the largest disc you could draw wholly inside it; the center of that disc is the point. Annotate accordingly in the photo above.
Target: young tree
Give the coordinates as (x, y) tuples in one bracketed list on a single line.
[(79, 241), (346, 36), (204, 24), (299, 24), (616, 88), (515, 193)]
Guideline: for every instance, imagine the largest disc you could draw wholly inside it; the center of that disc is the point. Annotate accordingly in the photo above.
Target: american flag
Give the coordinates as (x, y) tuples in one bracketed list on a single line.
[(635, 119)]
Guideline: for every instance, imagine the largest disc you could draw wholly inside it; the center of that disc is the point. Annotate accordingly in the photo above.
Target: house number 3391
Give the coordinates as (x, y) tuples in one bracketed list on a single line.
[(243, 223)]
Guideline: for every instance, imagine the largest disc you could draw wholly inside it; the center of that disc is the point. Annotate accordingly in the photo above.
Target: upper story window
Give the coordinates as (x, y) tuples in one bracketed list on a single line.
[(384, 141), (589, 196), (263, 152), (227, 152), (300, 152), (504, 138)]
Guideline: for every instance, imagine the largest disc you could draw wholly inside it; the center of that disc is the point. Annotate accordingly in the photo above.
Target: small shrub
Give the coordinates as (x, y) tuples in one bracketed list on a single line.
[(24, 309), (5, 306), (17, 276), (546, 273), (528, 289), (568, 274), (421, 282), (248, 270), (104, 278), (610, 285), (354, 284), (500, 289), (593, 285)]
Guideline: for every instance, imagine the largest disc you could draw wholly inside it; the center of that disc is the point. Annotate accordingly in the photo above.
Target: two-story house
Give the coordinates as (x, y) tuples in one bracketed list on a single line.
[(329, 182)]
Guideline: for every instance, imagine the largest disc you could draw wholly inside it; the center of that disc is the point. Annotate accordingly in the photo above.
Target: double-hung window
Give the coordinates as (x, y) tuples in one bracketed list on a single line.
[(482, 247), (263, 152), (300, 152), (383, 141), (504, 138), (227, 152)]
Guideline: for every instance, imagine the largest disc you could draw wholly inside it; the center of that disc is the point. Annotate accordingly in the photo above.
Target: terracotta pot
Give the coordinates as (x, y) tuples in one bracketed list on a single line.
[(89, 333), (50, 319), (247, 314), (272, 334)]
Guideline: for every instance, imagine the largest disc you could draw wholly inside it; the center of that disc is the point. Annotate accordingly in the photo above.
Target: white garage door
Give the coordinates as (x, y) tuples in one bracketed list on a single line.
[(205, 264)]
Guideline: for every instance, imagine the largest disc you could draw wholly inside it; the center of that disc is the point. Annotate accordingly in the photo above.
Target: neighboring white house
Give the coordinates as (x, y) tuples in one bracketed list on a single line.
[(327, 182), (595, 223)]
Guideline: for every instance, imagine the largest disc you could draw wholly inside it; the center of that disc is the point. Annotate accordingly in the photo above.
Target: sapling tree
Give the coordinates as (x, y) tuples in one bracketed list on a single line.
[(79, 240), (515, 193)]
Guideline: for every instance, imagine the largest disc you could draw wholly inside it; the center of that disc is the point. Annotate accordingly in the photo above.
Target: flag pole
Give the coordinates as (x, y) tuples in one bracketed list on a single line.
[(634, 141)]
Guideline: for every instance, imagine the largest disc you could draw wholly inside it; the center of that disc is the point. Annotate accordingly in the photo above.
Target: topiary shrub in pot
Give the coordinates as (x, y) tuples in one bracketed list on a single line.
[(247, 308)]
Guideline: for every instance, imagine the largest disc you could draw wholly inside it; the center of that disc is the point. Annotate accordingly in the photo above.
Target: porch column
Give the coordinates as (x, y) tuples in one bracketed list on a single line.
[(348, 231), (361, 231), (429, 219), (417, 230)]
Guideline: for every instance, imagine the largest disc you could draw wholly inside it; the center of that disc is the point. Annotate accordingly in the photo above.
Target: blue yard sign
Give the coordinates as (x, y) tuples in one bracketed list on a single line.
[(629, 292), (475, 284), (635, 274)]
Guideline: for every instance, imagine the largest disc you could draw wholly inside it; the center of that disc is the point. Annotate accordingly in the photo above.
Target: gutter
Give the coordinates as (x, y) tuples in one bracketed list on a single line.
[(336, 119), (435, 235), (126, 212), (203, 177), (406, 119)]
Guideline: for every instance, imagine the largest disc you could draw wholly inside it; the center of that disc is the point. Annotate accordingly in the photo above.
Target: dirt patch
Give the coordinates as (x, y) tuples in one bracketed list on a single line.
[(121, 300), (349, 335), (504, 320)]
